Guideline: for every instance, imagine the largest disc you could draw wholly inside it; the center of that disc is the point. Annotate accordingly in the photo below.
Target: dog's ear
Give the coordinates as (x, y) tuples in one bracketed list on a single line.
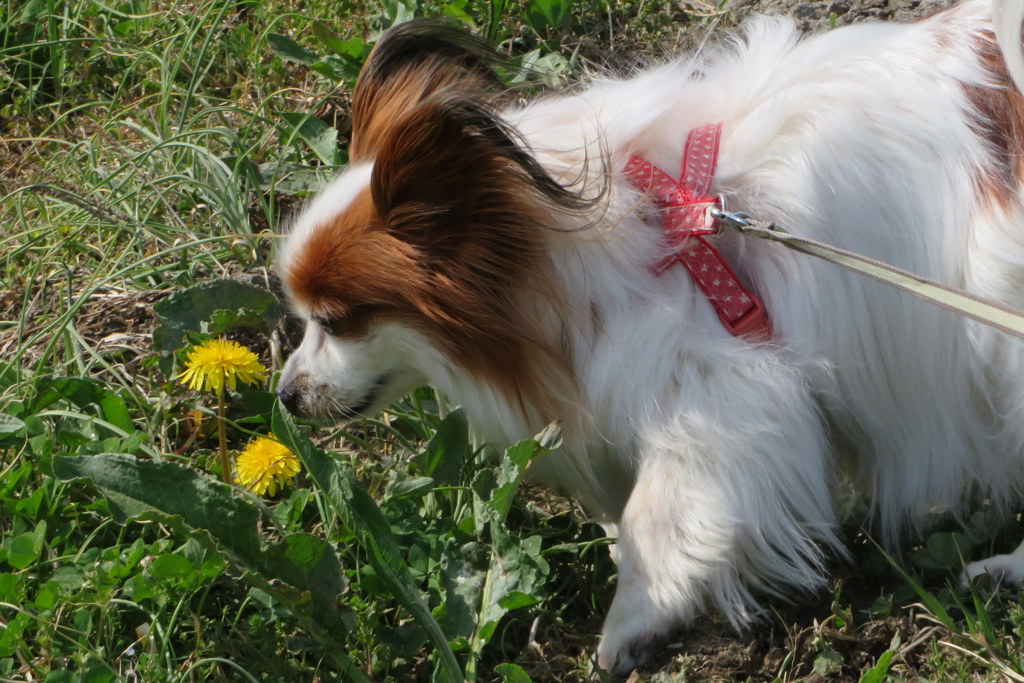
[(450, 171), (411, 62), (461, 194)]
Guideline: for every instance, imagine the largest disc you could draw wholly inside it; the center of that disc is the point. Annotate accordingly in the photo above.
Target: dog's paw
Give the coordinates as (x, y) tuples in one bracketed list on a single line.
[(628, 639), (1007, 570), (621, 658)]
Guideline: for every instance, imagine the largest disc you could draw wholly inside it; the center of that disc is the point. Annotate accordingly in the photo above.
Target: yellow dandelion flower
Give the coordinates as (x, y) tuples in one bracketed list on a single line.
[(265, 465), (217, 362)]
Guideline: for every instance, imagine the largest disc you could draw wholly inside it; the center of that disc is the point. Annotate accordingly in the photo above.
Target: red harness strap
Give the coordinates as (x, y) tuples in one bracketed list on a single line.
[(684, 214)]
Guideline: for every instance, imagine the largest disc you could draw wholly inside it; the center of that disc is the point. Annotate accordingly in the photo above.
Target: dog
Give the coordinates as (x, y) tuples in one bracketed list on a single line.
[(514, 255)]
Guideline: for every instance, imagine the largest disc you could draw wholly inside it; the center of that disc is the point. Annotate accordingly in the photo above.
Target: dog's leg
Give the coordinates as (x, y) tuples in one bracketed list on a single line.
[(1005, 569), (731, 494)]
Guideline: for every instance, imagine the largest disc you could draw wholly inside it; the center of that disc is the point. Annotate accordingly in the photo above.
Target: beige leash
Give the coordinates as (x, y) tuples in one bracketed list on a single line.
[(999, 316)]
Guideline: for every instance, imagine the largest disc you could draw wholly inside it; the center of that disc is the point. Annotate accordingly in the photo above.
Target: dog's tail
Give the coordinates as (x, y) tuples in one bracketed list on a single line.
[(1007, 20)]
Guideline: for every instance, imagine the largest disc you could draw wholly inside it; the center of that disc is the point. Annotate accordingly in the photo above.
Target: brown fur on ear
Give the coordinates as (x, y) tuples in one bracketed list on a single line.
[(452, 183), (409, 63)]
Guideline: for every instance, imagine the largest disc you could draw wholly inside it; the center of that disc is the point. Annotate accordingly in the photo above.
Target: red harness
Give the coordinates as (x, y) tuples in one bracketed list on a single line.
[(684, 216)]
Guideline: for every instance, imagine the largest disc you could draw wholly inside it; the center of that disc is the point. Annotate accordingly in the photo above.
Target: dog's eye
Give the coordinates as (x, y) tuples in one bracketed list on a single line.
[(353, 324), (324, 322)]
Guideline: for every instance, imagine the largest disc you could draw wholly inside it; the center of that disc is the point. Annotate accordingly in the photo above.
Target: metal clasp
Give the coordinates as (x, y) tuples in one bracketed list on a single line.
[(734, 219)]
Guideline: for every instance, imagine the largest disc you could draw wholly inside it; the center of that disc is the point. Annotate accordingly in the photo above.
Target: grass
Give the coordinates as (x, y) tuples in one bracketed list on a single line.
[(151, 146)]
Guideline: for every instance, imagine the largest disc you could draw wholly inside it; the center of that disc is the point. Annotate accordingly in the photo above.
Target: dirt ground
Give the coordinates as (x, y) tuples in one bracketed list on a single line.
[(813, 17)]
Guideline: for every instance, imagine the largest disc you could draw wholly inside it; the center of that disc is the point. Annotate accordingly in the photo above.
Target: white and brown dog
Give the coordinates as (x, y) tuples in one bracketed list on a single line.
[(515, 256)]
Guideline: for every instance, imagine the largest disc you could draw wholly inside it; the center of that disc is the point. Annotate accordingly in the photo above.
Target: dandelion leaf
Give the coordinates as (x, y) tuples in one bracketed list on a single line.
[(447, 450), (212, 308), (134, 487), (462, 581)]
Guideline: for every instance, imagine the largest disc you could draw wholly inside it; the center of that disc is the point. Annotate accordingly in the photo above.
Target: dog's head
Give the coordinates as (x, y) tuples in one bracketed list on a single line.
[(420, 256)]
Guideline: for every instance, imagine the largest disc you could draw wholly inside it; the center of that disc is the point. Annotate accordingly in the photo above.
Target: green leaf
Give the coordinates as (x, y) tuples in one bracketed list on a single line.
[(140, 587), (25, 548), (354, 51), (517, 571), (462, 583), (882, 606), (367, 523), (399, 11), (985, 624), (328, 38), (447, 450), (9, 425), (984, 526), (46, 599), (10, 637), (222, 321), (30, 506), (171, 567), (9, 584), (517, 600), (877, 673), (456, 9), (515, 579), (337, 69), (23, 551), (251, 403), (828, 662), (291, 178), (8, 378), (517, 568), (320, 137), (289, 511), (69, 577), (544, 13), (551, 69), (83, 393), (495, 14), (32, 12), (287, 49), (61, 677), (99, 674), (193, 309), (943, 551), (513, 467), (83, 620), (134, 487), (512, 673), (406, 639), (307, 562), (401, 485)]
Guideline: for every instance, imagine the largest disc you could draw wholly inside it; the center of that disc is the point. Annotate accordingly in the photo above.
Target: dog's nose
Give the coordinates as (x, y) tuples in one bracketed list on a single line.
[(289, 396)]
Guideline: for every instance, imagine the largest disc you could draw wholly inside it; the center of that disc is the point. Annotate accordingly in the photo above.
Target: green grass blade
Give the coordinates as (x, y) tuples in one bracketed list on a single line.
[(930, 602)]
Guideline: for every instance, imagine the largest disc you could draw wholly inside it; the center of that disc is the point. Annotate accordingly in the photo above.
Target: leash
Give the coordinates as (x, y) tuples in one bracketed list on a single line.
[(999, 316)]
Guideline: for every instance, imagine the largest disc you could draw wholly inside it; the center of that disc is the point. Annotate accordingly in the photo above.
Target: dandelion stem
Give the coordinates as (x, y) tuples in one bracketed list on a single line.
[(225, 462)]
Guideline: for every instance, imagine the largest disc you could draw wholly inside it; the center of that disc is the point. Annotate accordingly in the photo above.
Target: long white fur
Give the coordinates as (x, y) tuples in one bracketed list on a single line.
[(716, 456)]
